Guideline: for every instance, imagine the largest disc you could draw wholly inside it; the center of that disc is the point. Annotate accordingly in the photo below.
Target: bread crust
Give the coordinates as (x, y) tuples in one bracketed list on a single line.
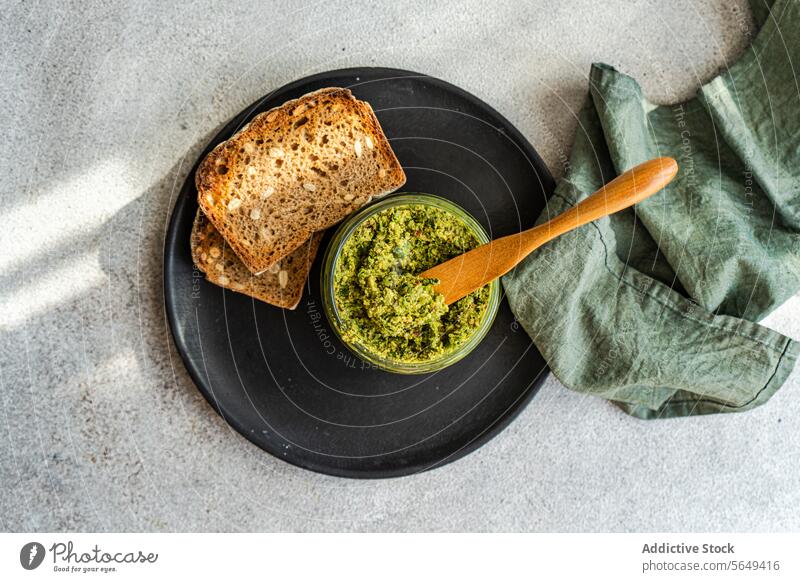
[(278, 151)]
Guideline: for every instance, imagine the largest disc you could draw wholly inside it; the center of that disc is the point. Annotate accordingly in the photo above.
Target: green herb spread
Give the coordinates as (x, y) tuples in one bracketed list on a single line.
[(382, 302)]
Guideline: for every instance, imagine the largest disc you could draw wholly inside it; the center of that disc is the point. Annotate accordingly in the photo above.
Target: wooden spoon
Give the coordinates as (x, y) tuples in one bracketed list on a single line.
[(465, 273)]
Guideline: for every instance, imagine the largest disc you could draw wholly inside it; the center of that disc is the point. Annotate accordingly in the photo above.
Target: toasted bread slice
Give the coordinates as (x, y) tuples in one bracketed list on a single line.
[(295, 170), (282, 285)]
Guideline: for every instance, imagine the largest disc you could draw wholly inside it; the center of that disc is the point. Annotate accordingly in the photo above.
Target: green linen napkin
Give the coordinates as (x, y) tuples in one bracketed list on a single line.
[(654, 309)]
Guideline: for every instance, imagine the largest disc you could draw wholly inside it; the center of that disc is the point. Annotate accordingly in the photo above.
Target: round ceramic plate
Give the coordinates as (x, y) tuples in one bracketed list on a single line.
[(283, 380)]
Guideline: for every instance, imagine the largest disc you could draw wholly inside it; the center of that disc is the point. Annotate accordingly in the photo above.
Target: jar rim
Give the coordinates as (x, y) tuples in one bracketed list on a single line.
[(333, 252)]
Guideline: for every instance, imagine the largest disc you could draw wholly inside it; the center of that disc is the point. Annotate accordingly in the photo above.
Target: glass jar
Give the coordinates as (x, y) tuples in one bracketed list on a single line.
[(329, 264)]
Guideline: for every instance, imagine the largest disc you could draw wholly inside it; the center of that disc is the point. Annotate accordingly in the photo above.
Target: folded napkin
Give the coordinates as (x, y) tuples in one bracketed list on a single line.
[(654, 309)]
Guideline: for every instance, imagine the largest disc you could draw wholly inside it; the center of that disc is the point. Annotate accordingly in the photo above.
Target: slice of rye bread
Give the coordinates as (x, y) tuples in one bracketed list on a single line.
[(282, 285), (295, 170)]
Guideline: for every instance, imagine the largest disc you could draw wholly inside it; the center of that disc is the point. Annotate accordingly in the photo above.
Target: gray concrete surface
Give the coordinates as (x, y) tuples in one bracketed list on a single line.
[(105, 106)]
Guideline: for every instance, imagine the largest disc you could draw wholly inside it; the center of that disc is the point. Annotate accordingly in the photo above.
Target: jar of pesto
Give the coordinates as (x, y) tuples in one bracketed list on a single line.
[(376, 303)]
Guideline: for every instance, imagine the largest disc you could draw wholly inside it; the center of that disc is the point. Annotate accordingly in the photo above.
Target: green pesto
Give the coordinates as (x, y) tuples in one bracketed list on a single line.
[(382, 303)]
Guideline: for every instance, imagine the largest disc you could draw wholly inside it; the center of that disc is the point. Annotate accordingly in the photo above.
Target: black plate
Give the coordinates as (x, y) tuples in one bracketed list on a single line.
[(287, 384)]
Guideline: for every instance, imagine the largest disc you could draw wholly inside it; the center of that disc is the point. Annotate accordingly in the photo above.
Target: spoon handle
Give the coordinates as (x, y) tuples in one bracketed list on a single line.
[(627, 189)]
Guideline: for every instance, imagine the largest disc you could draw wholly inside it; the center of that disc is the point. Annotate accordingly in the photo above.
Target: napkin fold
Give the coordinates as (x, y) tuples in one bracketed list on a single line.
[(655, 308)]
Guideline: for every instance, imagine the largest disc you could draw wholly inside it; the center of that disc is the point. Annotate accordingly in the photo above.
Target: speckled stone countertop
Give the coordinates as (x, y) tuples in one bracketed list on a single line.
[(106, 107)]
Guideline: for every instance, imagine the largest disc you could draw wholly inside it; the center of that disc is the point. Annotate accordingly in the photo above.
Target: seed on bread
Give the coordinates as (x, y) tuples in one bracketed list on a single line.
[(274, 268), (223, 280), (308, 174), (214, 252), (283, 278), (255, 214), (234, 204)]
